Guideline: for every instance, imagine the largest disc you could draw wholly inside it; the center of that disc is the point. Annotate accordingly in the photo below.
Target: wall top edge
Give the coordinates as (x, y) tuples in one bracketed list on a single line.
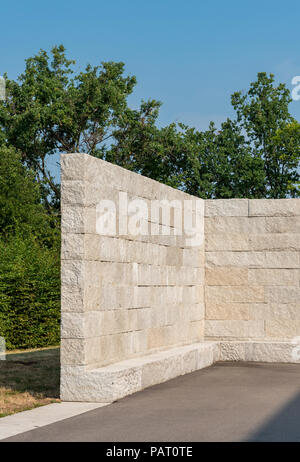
[(84, 167)]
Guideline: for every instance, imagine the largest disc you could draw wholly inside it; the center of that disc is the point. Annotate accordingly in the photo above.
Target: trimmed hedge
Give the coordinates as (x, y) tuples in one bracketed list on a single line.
[(29, 293)]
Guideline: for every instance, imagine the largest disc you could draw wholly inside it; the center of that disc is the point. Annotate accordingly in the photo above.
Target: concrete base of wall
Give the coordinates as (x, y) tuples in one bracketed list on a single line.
[(110, 383), (115, 381), (259, 351)]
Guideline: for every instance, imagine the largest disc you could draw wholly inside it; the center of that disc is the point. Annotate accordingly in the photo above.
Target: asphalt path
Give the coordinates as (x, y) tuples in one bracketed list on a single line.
[(225, 402)]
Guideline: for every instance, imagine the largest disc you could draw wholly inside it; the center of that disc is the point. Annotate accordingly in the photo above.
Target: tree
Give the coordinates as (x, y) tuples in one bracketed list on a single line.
[(219, 164), (29, 259), (49, 110), (273, 134), (141, 146), (52, 109), (256, 155), (21, 210)]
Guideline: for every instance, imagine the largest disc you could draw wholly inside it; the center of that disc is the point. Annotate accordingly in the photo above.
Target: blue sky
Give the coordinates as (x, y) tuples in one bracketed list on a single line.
[(190, 55)]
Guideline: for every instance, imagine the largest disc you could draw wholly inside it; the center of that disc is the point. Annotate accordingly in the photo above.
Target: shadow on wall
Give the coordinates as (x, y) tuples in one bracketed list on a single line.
[(282, 427)]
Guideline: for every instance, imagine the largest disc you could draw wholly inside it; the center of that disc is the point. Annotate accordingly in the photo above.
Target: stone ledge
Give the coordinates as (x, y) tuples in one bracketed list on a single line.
[(110, 383), (260, 351)]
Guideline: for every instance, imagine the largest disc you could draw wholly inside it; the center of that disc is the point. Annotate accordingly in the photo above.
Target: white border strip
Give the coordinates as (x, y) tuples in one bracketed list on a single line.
[(39, 417)]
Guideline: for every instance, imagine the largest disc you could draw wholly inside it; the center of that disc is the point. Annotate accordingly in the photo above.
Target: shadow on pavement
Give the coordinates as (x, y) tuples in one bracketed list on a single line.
[(284, 426)]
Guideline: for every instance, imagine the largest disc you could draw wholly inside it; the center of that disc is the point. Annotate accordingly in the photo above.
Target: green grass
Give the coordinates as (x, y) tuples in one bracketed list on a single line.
[(29, 379)]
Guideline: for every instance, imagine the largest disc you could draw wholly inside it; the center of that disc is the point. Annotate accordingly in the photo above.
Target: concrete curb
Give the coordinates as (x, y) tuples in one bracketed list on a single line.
[(29, 420)]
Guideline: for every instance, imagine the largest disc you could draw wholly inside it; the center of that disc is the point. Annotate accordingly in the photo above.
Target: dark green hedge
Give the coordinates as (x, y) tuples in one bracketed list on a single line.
[(29, 293)]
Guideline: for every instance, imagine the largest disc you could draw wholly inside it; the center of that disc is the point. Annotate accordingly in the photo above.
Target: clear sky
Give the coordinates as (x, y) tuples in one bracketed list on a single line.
[(192, 55)]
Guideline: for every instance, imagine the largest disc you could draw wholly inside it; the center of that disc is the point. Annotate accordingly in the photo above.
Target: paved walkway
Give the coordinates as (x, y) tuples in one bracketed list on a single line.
[(225, 402), (22, 422)]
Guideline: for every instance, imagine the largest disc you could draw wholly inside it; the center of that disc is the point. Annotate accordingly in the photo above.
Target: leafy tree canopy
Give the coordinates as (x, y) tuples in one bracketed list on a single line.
[(52, 109), (21, 210)]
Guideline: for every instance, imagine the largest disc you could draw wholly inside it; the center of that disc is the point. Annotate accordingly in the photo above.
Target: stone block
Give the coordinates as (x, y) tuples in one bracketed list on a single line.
[(72, 299), (158, 337), (282, 294), (282, 329), (274, 277), (227, 311), (73, 352), (274, 207), (73, 193), (227, 242), (99, 385), (217, 276), (234, 329), (282, 224), (207, 354), (232, 351), (196, 312), (72, 326), (192, 294), (272, 352), (236, 225), (283, 259), (275, 311), (258, 351), (239, 294), (139, 319), (72, 246), (276, 241), (226, 207), (73, 166), (78, 219), (239, 259), (174, 256), (195, 331), (193, 257), (73, 274), (159, 371)]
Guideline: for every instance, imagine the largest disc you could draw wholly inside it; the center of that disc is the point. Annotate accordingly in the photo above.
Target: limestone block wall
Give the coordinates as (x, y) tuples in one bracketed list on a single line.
[(252, 250), (125, 295)]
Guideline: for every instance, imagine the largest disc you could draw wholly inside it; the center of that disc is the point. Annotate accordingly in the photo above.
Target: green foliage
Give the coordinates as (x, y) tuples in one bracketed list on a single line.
[(52, 109), (29, 293), (273, 134), (21, 209), (255, 156), (49, 109), (141, 146), (220, 164), (29, 259)]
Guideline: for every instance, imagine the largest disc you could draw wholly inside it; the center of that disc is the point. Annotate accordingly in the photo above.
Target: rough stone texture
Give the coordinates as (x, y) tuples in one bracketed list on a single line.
[(224, 207), (232, 329), (259, 351), (138, 310), (273, 208), (125, 295), (107, 384), (112, 382), (252, 271)]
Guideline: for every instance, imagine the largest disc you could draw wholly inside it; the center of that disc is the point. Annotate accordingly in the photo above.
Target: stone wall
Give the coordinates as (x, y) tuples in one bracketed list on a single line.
[(140, 309), (252, 250), (124, 296)]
